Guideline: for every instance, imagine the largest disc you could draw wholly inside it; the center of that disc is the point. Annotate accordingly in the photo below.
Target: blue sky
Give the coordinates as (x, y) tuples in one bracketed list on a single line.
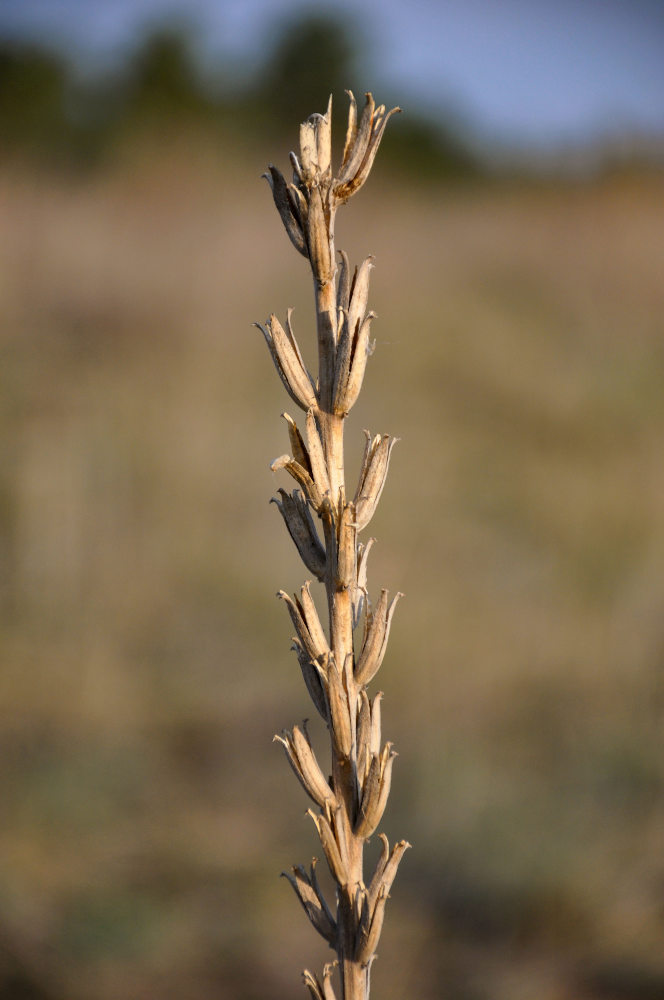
[(534, 72)]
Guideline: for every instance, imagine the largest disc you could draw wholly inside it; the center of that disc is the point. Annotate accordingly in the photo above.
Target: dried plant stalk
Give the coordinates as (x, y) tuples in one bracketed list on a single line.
[(335, 668)]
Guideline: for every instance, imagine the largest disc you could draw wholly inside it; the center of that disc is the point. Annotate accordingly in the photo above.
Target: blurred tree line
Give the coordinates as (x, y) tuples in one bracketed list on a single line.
[(52, 115)]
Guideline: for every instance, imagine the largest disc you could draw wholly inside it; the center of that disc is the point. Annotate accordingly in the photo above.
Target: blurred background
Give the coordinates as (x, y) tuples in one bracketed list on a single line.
[(516, 212)]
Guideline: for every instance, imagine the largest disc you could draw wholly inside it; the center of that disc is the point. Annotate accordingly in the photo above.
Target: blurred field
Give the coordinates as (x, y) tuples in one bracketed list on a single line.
[(146, 814)]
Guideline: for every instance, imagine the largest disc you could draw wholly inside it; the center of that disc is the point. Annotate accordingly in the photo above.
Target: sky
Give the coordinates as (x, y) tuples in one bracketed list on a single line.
[(527, 72)]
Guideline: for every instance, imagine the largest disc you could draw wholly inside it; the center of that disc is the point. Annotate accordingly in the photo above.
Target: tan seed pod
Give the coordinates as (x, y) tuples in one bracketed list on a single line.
[(313, 985), (351, 130), (330, 849), (373, 479), (312, 679), (375, 630), (359, 295), (361, 354), (373, 652), (317, 455), (318, 239), (377, 876), (317, 785), (290, 218), (312, 620), (357, 147), (347, 557), (368, 941), (367, 819), (343, 282), (363, 738), (305, 892), (339, 711), (312, 645), (295, 376), (301, 476), (323, 126), (298, 520), (328, 991), (375, 722), (298, 447)]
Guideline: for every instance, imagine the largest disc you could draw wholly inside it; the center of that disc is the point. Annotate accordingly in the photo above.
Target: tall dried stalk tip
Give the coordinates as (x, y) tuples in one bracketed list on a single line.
[(336, 664)]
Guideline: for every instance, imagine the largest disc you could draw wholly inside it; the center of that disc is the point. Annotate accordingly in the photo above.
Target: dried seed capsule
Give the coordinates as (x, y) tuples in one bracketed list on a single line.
[(313, 985), (375, 722), (296, 514), (363, 738), (359, 295), (304, 891), (372, 477), (330, 849), (328, 991), (298, 447), (368, 940), (346, 557), (361, 354), (367, 821), (317, 455), (312, 620), (301, 476), (343, 283), (305, 766), (359, 593), (318, 240), (386, 869), (316, 784), (358, 146), (373, 650), (339, 711), (288, 362), (290, 218), (315, 644), (312, 679), (361, 146)]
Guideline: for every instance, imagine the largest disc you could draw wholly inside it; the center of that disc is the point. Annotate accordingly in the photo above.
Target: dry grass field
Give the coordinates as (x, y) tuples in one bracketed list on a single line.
[(145, 813)]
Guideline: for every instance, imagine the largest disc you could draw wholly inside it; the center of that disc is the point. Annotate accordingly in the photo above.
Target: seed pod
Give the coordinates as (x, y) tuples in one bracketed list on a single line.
[(328, 991), (339, 711), (296, 514), (313, 985), (347, 557), (320, 917), (357, 148), (312, 680), (317, 455), (312, 620), (359, 594), (361, 353), (316, 783), (386, 869), (375, 723), (305, 766), (367, 941), (364, 824), (314, 644), (363, 738), (298, 447), (343, 282), (330, 848), (351, 130), (288, 362), (372, 476), (290, 218), (362, 144), (301, 476), (359, 295), (318, 239), (373, 650)]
